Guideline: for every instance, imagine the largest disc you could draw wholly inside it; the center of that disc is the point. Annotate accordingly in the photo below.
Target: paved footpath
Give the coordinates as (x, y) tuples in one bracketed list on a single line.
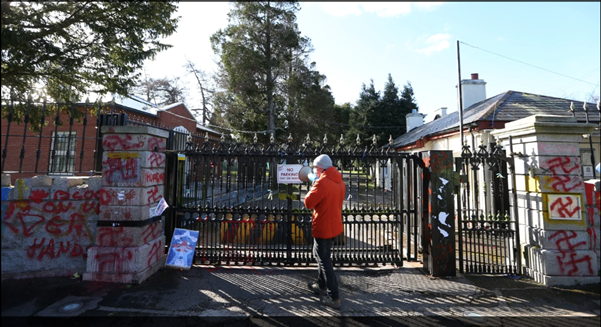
[(278, 296)]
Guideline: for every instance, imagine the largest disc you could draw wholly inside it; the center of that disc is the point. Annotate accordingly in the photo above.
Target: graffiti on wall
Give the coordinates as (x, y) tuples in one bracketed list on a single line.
[(52, 225), (564, 174), (569, 259), (134, 142), (564, 207)]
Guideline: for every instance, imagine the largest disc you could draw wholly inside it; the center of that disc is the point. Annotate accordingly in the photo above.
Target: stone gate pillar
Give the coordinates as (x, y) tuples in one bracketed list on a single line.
[(440, 247), (556, 247), (129, 241)]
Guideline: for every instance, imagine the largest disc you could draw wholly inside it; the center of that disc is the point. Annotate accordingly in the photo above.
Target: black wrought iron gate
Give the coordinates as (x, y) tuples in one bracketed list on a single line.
[(487, 237), (230, 194)]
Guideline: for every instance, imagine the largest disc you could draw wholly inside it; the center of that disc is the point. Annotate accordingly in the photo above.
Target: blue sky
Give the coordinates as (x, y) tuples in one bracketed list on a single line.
[(416, 42)]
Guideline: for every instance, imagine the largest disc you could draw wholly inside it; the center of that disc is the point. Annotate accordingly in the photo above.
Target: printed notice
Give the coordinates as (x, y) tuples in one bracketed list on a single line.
[(288, 174)]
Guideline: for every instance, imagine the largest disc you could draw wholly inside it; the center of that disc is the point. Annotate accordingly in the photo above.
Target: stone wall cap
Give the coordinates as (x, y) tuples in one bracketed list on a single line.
[(134, 130), (544, 124)]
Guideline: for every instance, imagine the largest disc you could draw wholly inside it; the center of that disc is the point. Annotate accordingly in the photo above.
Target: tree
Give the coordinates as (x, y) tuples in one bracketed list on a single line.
[(256, 50), (408, 99), (362, 118), (162, 91), (395, 110), (206, 91), (82, 47), (380, 115)]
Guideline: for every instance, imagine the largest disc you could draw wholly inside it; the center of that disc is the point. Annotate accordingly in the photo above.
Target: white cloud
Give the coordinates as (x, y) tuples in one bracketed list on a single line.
[(434, 43), (387, 9), (381, 9), (427, 5), (341, 8)]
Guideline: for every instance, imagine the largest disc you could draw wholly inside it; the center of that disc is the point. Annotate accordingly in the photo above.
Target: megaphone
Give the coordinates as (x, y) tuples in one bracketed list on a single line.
[(305, 174)]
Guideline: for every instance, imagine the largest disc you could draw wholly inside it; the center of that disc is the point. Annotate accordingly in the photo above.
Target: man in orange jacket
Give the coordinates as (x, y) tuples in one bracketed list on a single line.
[(325, 198)]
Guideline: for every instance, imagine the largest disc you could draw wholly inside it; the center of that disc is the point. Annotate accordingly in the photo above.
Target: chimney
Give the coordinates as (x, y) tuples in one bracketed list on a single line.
[(414, 120), (473, 91)]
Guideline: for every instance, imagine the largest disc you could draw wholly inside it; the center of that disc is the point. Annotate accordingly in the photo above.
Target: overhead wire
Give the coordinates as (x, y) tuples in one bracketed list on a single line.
[(572, 83), (525, 63)]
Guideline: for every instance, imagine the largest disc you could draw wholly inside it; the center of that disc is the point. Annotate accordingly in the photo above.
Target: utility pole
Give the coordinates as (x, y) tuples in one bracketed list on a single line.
[(460, 104)]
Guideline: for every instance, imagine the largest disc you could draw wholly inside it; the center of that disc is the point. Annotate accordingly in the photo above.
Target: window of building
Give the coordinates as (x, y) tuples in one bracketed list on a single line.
[(62, 161)]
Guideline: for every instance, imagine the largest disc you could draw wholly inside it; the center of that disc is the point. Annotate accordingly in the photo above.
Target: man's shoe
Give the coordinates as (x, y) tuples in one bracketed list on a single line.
[(314, 287), (330, 303)]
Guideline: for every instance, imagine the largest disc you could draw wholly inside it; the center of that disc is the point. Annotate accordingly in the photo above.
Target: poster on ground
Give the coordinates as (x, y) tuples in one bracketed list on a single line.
[(181, 249)]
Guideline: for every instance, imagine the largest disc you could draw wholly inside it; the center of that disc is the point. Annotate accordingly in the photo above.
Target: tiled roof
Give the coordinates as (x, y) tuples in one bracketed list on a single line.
[(504, 107)]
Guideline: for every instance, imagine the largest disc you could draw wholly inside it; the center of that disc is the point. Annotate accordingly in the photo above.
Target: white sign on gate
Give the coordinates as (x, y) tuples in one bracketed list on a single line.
[(288, 174)]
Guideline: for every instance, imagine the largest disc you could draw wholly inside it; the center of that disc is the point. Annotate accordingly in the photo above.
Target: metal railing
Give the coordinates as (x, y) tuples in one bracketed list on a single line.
[(50, 138), (229, 193), (487, 238)]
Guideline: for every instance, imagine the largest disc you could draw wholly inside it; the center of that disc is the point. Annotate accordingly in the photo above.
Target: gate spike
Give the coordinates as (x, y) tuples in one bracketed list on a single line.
[(374, 140), (290, 138), (325, 139), (358, 139), (255, 138), (271, 138), (342, 139), (308, 140), (390, 139)]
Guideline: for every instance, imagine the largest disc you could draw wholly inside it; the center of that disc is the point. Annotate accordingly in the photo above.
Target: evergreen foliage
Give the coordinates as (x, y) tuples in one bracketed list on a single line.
[(65, 50)]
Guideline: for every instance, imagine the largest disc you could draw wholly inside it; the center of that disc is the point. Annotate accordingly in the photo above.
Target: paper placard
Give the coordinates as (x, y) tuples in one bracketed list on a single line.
[(181, 249)]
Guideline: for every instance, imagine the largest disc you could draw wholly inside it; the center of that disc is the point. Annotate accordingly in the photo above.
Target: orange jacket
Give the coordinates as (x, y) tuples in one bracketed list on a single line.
[(325, 198)]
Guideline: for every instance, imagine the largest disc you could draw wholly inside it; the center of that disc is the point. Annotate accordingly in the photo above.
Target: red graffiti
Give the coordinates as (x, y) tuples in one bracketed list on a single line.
[(564, 238), (155, 178), (108, 196), (118, 169), (158, 143), (61, 195), (77, 223), (113, 262), (568, 259), (156, 159), (89, 195), (561, 183), (155, 254), (113, 236), (444, 256), (50, 249), (154, 195), (33, 248), (592, 233), (116, 142), (64, 195), (38, 196), (562, 163), (152, 232), (563, 210), (90, 206), (9, 213), (54, 225), (437, 162), (572, 262), (27, 231), (56, 207)]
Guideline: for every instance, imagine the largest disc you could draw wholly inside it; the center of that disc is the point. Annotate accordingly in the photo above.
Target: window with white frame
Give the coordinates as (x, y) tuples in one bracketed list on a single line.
[(62, 153)]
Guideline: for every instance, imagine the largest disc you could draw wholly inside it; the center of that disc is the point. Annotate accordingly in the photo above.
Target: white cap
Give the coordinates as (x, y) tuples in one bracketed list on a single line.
[(323, 161)]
